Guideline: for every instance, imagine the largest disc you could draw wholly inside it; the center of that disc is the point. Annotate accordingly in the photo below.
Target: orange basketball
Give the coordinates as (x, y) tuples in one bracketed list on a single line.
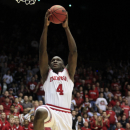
[(59, 14)]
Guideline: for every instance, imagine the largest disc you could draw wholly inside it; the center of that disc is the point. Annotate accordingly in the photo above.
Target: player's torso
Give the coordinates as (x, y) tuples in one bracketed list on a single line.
[(58, 89)]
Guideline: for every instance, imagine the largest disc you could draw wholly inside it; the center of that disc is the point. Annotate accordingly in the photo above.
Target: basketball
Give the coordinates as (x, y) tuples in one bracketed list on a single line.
[(59, 14)]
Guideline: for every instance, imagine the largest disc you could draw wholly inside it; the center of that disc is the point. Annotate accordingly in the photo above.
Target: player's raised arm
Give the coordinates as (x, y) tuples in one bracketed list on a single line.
[(43, 56), (72, 59)]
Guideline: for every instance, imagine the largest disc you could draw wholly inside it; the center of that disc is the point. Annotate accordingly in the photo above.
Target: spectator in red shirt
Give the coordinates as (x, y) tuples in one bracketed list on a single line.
[(18, 107), (93, 95), (2, 99), (18, 127), (81, 91), (10, 125), (3, 119), (118, 126), (106, 123), (31, 87), (113, 102), (112, 117), (85, 127), (78, 100), (26, 125), (6, 105), (11, 97), (126, 108), (31, 121), (117, 92), (126, 88), (1, 110), (98, 124), (40, 91), (12, 108), (114, 85)]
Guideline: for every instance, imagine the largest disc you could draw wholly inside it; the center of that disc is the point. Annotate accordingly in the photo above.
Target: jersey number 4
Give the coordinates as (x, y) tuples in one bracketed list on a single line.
[(59, 89)]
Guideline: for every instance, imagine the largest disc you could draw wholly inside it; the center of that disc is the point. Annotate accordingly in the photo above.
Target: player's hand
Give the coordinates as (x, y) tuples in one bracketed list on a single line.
[(47, 15), (65, 23)]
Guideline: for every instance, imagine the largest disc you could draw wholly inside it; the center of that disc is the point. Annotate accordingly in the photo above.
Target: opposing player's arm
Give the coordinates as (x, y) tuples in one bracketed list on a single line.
[(72, 59), (43, 56)]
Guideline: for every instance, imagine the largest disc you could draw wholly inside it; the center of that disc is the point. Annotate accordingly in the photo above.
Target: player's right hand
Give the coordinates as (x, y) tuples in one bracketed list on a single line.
[(47, 15)]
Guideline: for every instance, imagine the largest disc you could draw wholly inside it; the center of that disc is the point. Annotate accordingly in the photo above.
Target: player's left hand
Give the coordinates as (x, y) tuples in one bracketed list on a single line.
[(65, 23)]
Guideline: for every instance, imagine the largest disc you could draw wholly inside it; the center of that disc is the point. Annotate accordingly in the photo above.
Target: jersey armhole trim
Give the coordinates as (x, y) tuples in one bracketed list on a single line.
[(50, 115)]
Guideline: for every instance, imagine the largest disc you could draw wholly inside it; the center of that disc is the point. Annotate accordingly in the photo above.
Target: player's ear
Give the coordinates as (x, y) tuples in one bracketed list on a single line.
[(63, 66)]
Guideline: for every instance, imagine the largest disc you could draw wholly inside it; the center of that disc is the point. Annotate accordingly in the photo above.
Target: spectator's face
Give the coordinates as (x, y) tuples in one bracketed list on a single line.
[(127, 125), (110, 108), (11, 92), (36, 104), (104, 114), (119, 118), (7, 100), (30, 98), (79, 119), (94, 79), (25, 98), (117, 88), (33, 79), (99, 118), (12, 108), (3, 115), (128, 93), (101, 95), (86, 92), (40, 103), (26, 122), (17, 121), (6, 93), (16, 100), (93, 87), (20, 94), (126, 102), (73, 113), (1, 107), (115, 97), (32, 118), (85, 115), (78, 95), (97, 84), (118, 125), (20, 99), (106, 89), (95, 116), (36, 77), (117, 103), (86, 99), (81, 89), (124, 118)]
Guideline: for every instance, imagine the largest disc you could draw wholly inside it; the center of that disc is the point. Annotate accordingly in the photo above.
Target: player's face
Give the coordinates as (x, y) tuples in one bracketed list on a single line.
[(56, 63)]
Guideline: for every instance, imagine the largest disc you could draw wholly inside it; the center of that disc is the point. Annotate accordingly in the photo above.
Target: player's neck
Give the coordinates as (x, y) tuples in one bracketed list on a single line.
[(57, 71)]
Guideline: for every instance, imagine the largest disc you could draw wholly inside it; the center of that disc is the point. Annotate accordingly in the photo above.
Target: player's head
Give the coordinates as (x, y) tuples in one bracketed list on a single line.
[(57, 64)]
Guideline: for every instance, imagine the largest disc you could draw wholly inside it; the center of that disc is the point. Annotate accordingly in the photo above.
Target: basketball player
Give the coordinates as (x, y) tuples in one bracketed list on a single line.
[(58, 84)]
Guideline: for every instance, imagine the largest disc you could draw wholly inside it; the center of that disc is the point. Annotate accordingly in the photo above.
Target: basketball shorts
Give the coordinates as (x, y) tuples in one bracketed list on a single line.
[(58, 118)]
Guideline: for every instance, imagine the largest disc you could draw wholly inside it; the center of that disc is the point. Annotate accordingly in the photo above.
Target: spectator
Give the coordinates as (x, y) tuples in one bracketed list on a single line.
[(1, 110), (93, 95), (27, 104), (22, 116), (26, 125), (40, 102), (107, 92), (109, 99), (18, 107), (31, 87), (31, 121), (98, 124), (87, 105), (78, 100), (101, 103), (4, 69), (36, 104), (85, 127), (106, 123), (18, 127), (8, 77), (123, 121), (126, 108), (4, 86), (29, 77), (79, 123), (128, 98), (40, 91), (10, 125), (118, 126), (6, 105), (117, 92), (3, 119), (74, 119), (73, 103), (117, 109), (127, 126), (30, 99), (113, 101), (11, 96), (112, 117)]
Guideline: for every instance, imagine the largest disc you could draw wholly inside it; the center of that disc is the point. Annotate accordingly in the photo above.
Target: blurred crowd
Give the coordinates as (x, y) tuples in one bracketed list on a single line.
[(101, 95)]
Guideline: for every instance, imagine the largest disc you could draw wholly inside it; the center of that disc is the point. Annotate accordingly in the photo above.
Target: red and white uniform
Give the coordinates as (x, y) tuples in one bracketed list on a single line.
[(58, 92)]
